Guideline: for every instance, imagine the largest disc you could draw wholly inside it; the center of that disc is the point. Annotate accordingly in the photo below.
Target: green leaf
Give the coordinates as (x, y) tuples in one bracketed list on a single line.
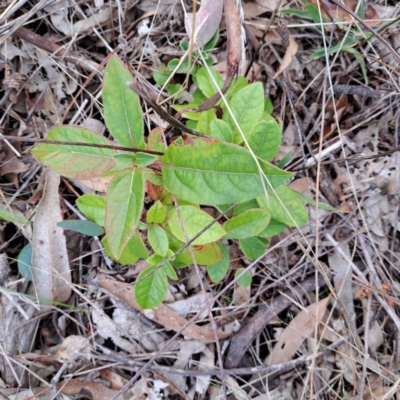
[(297, 13), (206, 83), (291, 213), (183, 69), (314, 13), (158, 240), (155, 141), (360, 60), (75, 161), (265, 139), (93, 207), (274, 228), (161, 75), (122, 161), (85, 227), (248, 224), (221, 131), (311, 201), (194, 220), (156, 213), (151, 291), (133, 251), (15, 219), (206, 118), (218, 271), (243, 207), (236, 85), (268, 106), (25, 262), (122, 111), (247, 107), (174, 88), (213, 41), (210, 172), (206, 254), (144, 159), (285, 159), (252, 247), (245, 279), (170, 271), (342, 46), (125, 197)]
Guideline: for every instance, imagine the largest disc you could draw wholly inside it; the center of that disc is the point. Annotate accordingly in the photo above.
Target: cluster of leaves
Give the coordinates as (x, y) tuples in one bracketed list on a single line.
[(353, 38), (184, 66), (232, 166)]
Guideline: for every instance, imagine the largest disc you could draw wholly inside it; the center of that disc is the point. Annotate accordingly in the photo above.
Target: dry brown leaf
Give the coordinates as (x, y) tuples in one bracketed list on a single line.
[(98, 184), (381, 393), (288, 57), (50, 266), (92, 390), (73, 350), (162, 315), (301, 327), (255, 8)]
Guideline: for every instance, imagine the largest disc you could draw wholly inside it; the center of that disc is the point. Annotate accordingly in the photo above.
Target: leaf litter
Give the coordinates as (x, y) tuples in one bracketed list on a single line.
[(305, 348)]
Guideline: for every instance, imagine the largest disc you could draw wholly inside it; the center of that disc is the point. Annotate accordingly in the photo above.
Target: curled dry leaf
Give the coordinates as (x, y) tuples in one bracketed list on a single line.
[(287, 59), (162, 315), (73, 350), (208, 18), (50, 266)]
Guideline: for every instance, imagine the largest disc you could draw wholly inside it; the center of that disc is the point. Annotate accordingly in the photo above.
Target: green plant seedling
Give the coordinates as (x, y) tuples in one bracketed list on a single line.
[(217, 171)]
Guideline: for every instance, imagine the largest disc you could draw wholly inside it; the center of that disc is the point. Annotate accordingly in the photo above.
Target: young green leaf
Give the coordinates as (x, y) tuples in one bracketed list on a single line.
[(183, 69), (144, 159), (245, 279), (161, 75), (85, 227), (170, 271), (247, 107), (151, 291), (15, 219), (206, 83), (209, 172), (133, 251), (156, 213), (252, 247), (206, 118), (158, 240), (125, 197), (74, 161), (193, 220), (291, 213), (221, 131), (218, 271), (248, 224), (265, 139), (122, 161), (268, 106), (174, 88), (307, 199), (285, 159), (93, 207), (122, 111), (25, 262)]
